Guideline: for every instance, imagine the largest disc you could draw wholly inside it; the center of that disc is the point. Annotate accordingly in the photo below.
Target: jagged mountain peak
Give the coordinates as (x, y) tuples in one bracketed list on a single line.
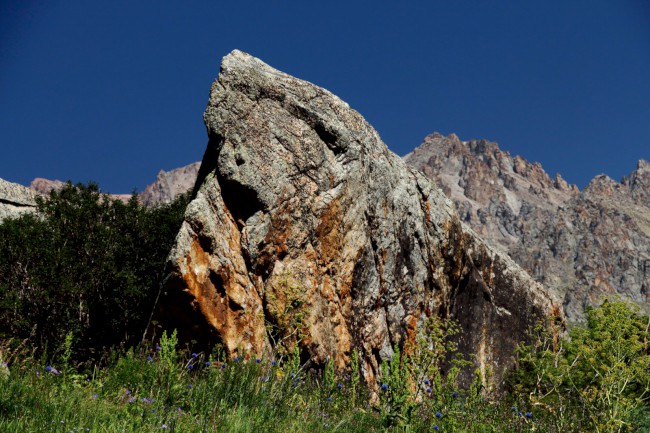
[(584, 245)]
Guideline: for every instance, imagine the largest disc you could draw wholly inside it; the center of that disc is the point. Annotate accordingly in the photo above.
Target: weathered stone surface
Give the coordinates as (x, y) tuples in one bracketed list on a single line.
[(305, 229), (170, 184), (15, 200), (583, 245)]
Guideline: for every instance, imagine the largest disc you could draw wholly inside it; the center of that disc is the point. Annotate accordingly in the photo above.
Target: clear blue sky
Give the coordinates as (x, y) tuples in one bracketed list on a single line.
[(114, 91)]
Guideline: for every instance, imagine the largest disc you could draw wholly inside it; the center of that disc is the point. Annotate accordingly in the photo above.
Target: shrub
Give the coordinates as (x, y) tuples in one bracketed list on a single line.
[(597, 379), (85, 264)]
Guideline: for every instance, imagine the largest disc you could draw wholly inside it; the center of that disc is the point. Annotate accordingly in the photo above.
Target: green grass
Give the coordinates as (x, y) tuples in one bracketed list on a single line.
[(596, 381), (164, 391)]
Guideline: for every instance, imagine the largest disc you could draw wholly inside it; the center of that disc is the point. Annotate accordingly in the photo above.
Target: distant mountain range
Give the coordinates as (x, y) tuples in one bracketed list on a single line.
[(582, 244), (16, 199)]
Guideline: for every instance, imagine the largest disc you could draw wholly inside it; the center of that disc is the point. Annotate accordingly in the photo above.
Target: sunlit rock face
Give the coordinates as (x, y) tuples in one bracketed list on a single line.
[(15, 200), (305, 229), (583, 245)]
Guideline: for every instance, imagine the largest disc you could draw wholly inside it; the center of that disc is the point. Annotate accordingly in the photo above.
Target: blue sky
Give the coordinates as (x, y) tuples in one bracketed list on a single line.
[(114, 91)]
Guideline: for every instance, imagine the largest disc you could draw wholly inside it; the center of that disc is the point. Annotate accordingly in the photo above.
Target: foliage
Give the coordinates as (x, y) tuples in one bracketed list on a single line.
[(85, 265), (78, 281), (163, 389), (598, 379)]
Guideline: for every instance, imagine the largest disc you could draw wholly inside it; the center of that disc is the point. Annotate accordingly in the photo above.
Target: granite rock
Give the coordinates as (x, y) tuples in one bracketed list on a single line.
[(306, 230), (15, 200)]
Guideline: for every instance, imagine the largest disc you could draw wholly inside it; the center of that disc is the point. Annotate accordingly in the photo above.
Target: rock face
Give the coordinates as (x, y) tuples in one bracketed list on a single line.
[(583, 245), (15, 200), (169, 184), (305, 229)]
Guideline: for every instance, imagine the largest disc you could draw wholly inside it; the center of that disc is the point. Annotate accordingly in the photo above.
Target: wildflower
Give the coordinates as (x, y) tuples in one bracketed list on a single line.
[(427, 383), (189, 386), (223, 365), (164, 426), (190, 366), (273, 363), (293, 374), (127, 392), (529, 415), (514, 408), (51, 369), (384, 387), (329, 398), (438, 415), (95, 396), (519, 414), (258, 360), (428, 390), (158, 348), (194, 355), (208, 363), (339, 386), (149, 358), (236, 358), (436, 428), (454, 394)]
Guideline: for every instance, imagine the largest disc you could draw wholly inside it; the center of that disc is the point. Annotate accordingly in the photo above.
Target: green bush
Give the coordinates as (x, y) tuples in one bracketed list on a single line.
[(597, 379), (85, 264)]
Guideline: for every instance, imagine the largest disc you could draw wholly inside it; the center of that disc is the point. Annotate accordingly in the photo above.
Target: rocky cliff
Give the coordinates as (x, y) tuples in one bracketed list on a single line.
[(305, 229), (582, 244), (169, 184), (15, 199)]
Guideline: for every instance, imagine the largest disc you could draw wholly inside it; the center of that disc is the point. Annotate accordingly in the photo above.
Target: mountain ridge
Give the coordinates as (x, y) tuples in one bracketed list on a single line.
[(583, 244)]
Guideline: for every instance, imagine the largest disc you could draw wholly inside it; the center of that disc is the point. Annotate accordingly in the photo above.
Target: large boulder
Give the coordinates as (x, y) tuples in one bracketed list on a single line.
[(305, 229)]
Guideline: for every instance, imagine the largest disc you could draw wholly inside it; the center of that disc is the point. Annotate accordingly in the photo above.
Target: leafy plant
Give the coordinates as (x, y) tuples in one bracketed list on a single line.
[(85, 264), (598, 378)]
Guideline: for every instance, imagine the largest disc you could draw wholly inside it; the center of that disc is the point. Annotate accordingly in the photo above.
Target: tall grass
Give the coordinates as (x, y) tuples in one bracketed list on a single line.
[(160, 389)]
